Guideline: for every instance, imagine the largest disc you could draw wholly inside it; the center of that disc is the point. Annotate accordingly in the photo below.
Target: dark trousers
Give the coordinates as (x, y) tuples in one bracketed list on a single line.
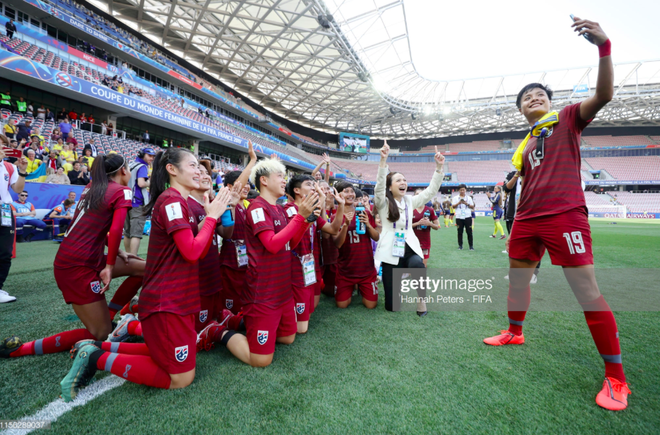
[(409, 260), (6, 249), (467, 224)]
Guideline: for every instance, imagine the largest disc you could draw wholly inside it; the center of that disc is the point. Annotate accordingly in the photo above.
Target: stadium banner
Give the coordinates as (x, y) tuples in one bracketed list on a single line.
[(26, 66), (186, 80), (619, 182), (612, 215), (465, 289), (46, 195), (356, 143)]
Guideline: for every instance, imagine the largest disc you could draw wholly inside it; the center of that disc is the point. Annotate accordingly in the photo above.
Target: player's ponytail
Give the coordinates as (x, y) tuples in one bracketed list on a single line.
[(160, 178), (103, 168), (393, 214)]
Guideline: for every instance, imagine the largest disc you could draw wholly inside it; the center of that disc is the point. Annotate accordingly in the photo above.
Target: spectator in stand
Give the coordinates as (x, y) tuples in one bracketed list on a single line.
[(53, 161), (33, 163), (73, 143), (104, 128), (36, 132), (145, 136), (79, 175), (41, 113), (92, 146), (30, 110), (61, 116), (58, 178), (56, 135), (91, 121), (111, 129), (73, 116), (35, 145), (83, 121), (65, 128), (50, 116), (87, 158), (21, 106), (25, 215), (140, 183), (10, 27), (11, 129), (24, 130)]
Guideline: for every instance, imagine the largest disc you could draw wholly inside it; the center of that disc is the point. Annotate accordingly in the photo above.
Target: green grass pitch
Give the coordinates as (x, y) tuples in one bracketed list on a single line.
[(361, 371)]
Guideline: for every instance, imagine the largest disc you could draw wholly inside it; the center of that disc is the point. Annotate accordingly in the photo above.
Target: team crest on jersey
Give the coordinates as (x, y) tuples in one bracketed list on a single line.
[(6, 177), (229, 303), (96, 287), (181, 353), (262, 337), (203, 315), (300, 308)]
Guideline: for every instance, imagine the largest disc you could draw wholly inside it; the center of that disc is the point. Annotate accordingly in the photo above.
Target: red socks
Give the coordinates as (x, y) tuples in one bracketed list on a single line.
[(518, 304), (62, 342), (135, 328), (603, 329), (125, 348), (235, 322), (138, 369), (124, 294)]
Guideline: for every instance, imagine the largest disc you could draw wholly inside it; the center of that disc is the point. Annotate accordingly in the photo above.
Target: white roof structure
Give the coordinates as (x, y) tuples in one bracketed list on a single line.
[(346, 65)]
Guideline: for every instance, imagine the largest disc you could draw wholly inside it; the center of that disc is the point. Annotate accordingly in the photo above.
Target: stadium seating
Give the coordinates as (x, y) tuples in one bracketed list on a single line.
[(638, 202), (482, 171), (628, 168), (610, 141)]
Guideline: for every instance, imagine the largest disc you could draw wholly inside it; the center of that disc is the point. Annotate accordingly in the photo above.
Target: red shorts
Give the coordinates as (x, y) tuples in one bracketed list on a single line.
[(79, 285), (329, 275), (368, 288), (426, 251), (210, 309), (303, 297), (263, 325), (233, 280), (566, 236), (172, 341)]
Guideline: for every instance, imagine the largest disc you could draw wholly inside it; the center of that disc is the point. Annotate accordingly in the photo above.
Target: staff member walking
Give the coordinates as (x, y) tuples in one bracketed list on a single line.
[(11, 176)]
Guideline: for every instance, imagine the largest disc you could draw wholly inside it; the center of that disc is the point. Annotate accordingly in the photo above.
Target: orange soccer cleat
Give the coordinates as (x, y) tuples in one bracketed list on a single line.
[(506, 337), (614, 395)]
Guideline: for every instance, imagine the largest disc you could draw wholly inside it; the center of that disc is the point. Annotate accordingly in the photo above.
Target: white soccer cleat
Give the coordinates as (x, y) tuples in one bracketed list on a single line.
[(5, 297)]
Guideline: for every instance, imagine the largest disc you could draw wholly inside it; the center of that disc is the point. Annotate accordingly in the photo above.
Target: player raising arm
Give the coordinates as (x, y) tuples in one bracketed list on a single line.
[(552, 214)]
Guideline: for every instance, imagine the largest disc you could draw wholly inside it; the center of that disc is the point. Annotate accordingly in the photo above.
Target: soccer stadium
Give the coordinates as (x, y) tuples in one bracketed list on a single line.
[(325, 216)]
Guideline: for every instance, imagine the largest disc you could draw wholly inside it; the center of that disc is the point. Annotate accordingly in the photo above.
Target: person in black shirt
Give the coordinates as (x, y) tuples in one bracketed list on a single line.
[(79, 174), (10, 27), (62, 115)]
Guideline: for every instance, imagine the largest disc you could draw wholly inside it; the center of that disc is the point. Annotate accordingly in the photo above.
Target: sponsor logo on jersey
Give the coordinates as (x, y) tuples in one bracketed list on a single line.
[(203, 315), (181, 353), (262, 337), (300, 308), (96, 286)]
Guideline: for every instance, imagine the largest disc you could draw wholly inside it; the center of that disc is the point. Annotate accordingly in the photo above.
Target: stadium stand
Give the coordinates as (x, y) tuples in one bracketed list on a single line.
[(628, 168), (638, 202), (610, 141), (480, 171)]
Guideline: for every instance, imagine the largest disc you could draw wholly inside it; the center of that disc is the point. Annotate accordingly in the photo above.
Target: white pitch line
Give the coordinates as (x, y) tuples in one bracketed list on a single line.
[(57, 408)]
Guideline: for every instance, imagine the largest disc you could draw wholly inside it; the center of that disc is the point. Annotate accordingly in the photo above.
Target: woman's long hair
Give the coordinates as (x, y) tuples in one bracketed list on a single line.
[(103, 168), (160, 178), (393, 214), (499, 193)]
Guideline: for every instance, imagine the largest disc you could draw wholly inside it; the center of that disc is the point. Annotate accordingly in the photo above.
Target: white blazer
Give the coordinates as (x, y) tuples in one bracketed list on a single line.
[(386, 240)]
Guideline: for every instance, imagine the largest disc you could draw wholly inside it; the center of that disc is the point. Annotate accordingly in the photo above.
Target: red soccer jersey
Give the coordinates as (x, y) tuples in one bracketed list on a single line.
[(84, 241), (554, 184), (171, 284), (228, 250), (310, 240), (330, 251), (424, 235), (209, 268), (356, 255), (268, 275)]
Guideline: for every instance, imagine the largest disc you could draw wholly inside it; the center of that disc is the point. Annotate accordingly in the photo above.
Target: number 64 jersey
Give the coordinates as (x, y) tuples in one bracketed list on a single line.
[(84, 241)]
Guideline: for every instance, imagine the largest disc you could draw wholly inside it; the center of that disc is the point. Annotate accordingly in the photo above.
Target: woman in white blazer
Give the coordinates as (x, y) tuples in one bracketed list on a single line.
[(398, 245)]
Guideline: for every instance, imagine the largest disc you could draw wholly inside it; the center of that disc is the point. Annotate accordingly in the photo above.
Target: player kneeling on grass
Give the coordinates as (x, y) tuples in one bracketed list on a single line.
[(305, 262), (82, 272), (170, 297), (356, 256), (549, 162), (269, 311)]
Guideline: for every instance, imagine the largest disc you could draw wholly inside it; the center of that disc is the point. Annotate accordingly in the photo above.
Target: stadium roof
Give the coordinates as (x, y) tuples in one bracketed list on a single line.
[(345, 65)]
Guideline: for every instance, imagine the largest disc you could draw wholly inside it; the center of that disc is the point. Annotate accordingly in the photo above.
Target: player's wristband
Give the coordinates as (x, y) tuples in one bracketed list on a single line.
[(605, 49)]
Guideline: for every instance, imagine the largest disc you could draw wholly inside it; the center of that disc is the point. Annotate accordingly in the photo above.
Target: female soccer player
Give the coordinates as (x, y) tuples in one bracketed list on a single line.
[(552, 214), (328, 248), (82, 272), (305, 262), (269, 310), (355, 265), (424, 219), (170, 297), (398, 245), (496, 200)]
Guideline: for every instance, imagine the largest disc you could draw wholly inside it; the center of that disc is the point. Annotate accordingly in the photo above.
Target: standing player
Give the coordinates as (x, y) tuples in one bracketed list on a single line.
[(356, 258), (170, 297), (82, 272), (233, 253), (269, 311), (424, 219), (328, 247), (496, 200), (305, 262), (552, 214), (446, 205)]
